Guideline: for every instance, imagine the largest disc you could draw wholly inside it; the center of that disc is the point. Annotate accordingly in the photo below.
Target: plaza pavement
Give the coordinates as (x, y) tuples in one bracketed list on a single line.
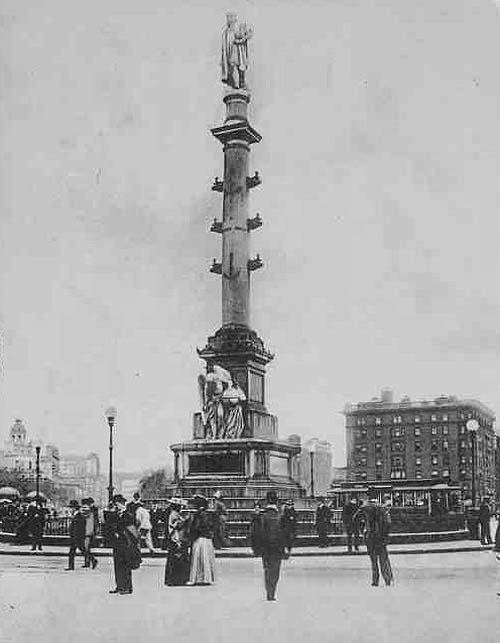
[(245, 552), (436, 598)]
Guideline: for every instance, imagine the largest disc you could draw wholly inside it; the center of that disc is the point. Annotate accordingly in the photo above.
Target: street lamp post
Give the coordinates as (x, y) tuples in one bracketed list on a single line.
[(311, 464), (37, 450), (111, 417), (472, 427)]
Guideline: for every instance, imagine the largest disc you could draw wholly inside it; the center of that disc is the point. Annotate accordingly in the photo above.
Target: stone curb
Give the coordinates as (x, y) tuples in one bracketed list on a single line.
[(247, 554)]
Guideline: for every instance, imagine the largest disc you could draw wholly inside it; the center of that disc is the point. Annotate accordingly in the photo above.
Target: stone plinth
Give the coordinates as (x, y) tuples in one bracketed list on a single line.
[(247, 467)]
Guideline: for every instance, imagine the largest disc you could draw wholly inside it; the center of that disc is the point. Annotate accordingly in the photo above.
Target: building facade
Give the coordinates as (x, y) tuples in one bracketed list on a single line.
[(80, 476), (19, 454), (432, 439)]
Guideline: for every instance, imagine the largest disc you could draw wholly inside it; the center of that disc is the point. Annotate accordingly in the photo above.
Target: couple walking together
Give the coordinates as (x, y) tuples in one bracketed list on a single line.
[(190, 557)]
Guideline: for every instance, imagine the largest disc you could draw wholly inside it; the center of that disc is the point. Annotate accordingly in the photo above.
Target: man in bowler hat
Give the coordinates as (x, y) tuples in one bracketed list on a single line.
[(268, 540)]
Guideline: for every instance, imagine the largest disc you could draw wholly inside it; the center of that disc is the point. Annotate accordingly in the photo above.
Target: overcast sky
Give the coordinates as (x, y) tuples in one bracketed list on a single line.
[(380, 163)]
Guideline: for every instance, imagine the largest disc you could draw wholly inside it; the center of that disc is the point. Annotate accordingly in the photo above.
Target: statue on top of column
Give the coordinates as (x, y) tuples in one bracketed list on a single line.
[(234, 61)]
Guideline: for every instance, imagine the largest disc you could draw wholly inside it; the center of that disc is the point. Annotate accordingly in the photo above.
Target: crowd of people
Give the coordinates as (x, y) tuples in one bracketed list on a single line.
[(192, 532)]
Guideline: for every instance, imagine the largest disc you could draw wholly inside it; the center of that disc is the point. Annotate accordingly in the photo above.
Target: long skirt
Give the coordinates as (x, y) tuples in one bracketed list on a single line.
[(177, 566), (202, 562)]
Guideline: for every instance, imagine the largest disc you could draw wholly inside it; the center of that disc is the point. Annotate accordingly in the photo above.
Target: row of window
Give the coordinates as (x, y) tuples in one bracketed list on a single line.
[(398, 461), (398, 419), (400, 474), (400, 431), (399, 446)]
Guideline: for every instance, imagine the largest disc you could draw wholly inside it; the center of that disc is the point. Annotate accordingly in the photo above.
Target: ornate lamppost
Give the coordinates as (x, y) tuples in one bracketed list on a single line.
[(110, 414), (312, 449), (37, 480), (472, 428)]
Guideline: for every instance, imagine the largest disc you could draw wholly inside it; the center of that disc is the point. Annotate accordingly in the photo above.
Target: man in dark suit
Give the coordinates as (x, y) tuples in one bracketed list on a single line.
[(377, 526), (76, 534), (323, 518), (351, 524), (484, 522), (268, 540), (124, 539)]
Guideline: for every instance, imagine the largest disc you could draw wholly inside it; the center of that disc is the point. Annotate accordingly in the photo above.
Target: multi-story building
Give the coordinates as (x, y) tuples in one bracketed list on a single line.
[(426, 440), (19, 454), (80, 476)]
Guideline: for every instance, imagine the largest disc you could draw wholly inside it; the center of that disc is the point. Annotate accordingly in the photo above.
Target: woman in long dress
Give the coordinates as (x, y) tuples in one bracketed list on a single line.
[(202, 550), (177, 565)]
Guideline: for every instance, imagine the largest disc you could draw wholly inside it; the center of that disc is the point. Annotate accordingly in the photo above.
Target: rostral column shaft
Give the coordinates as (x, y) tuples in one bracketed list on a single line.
[(236, 135), (235, 236)]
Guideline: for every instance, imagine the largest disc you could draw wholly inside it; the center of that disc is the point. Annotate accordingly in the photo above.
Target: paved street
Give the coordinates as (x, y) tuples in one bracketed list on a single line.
[(437, 597)]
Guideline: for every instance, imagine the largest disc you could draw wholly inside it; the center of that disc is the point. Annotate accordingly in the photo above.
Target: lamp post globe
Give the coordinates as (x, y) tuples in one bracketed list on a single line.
[(473, 427), (110, 415)]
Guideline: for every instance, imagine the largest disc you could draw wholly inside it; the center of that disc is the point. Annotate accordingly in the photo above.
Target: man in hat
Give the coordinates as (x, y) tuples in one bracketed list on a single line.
[(351, 524), (220, 517), (377, 526), (268, 540), (323, 518), (125, 542), (289, 521), (90, 531), (76, 534)]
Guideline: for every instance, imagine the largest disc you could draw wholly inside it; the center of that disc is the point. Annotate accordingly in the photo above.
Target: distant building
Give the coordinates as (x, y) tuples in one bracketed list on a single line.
[(127, 483), (80, 476), (339, 474), (19, 454), (396, 441), (315, 466)]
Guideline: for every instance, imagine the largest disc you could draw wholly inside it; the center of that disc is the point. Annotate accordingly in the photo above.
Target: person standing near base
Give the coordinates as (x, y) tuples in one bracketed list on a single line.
[(289, 518), (377, 527), (268, 540), (202, 570), (220, 516)]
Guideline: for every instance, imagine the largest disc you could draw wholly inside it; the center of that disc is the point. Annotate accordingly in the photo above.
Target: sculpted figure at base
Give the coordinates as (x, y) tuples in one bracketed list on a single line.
[(221, 400), (234, 61)]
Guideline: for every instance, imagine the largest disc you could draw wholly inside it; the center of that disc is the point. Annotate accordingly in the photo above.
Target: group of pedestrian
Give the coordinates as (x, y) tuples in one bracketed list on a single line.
[(82, 532), (190, 546)]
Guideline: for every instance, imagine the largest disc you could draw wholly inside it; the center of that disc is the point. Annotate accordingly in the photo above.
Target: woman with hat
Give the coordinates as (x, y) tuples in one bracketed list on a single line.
[(178, 563), (202, 551)]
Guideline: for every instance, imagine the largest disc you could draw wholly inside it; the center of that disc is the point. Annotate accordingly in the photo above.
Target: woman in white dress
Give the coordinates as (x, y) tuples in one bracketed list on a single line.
[(202, 570)]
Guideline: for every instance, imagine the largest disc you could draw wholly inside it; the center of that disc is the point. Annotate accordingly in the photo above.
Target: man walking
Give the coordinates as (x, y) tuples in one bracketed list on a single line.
[(76, 534), (267, 539), (377, 527), (484, 522), (323, 517), (351, 524)]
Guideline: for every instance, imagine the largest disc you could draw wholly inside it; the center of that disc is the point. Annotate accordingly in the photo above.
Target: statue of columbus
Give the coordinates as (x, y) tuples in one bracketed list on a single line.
[(234, 61)]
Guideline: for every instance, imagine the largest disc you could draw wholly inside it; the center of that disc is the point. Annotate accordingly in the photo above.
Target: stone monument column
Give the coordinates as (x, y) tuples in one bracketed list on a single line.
[(236, 135)]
